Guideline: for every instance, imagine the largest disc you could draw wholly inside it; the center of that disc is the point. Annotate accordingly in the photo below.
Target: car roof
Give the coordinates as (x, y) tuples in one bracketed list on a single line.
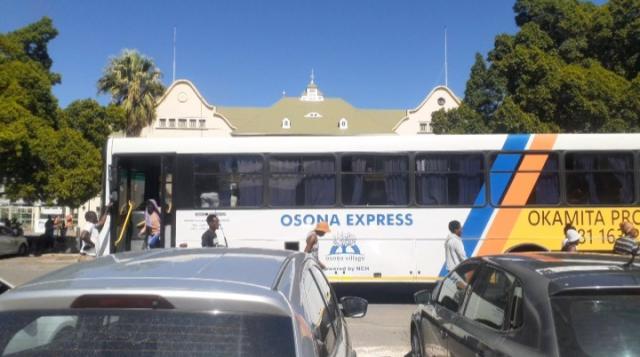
[(567, 272), (231, 274)]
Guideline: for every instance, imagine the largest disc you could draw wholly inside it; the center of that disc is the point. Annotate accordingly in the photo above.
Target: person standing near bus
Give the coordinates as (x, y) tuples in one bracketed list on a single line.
[(625, 228), (209, 237), (89, 234), (571, 240), (152, 224), (313, 241), (453, 247)]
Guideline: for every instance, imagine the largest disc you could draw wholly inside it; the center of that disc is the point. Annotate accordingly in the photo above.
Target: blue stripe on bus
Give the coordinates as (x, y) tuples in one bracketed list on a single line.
[(478, 218)]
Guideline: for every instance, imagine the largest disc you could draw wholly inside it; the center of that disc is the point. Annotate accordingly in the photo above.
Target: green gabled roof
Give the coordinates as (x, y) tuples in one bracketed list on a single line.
[(268, 121)]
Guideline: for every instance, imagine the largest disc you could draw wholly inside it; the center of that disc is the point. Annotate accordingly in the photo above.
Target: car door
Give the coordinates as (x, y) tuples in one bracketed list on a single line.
[(480, 329), (6, 241), (437, 318), (342, 343), (317, 314)]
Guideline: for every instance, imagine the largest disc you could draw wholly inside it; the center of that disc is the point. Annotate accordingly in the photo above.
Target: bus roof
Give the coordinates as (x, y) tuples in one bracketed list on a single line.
[(370, 143)]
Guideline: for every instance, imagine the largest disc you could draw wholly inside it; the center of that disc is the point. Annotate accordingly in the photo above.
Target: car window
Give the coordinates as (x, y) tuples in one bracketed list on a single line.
[(317, 314), (328, 295), (489, 297), (453, 287), (597, 323), (515, 308), (286, 280), (114, 332), (4, 231)]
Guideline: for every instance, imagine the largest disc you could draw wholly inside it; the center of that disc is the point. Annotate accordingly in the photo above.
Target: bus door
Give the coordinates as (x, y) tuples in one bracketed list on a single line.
[(138, 179)]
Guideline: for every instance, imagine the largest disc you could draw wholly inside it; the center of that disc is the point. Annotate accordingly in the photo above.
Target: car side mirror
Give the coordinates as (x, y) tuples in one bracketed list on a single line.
[(353, 306), (422, 297)]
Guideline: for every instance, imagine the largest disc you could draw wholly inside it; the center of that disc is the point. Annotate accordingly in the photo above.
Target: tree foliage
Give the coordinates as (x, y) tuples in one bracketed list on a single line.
[(40, 160), (572, 67), (133, 81), (94, 122)]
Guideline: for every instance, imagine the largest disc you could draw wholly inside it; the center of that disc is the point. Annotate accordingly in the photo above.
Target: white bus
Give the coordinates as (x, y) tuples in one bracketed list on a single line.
[(387, 199)]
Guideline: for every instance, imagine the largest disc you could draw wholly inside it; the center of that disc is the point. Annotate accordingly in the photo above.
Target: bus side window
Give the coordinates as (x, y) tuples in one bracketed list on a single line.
[(599, 178), (227, 181), (375, 180)]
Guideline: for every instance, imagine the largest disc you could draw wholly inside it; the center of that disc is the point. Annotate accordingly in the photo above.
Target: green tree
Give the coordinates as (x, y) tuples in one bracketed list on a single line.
[(572, 67), (40, 161), (462, 120), (484, 89), (133, 81), (93, 121)]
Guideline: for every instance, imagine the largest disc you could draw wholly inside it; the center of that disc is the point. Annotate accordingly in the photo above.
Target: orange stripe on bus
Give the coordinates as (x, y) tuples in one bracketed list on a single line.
[(517, 195)]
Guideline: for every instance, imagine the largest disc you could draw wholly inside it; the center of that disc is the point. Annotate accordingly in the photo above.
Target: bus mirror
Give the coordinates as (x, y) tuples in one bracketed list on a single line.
[(113, 197)]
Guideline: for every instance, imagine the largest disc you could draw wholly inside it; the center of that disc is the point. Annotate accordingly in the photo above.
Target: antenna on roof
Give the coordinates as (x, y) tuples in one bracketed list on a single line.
[(174, 55), (312, 76), (446, 74)]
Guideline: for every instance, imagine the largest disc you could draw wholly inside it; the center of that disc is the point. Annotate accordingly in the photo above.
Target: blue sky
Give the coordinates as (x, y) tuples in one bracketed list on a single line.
[(372, 53)]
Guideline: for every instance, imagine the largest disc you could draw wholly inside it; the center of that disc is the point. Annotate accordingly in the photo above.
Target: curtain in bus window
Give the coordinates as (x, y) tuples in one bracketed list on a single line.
[(469, 181), (249, 189), (283, 189), (357, 182), (432, 188), (622, 172), (547, 187), (284, 181), (396, 181), (319, 182)]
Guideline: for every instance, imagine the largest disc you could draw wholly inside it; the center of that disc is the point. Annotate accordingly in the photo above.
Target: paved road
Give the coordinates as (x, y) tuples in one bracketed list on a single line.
[(383, 332)]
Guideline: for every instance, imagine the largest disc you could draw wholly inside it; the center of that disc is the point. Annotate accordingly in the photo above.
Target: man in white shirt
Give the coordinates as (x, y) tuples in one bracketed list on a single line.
[(453, 247), (89, 233)]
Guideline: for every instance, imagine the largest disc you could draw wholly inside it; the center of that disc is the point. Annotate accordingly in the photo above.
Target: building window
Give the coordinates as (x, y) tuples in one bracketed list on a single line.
[(163, 123), (172, 123), (313, 115), (182, 123), (192, 123), (423, 126), (202, 123), (286, 123), (441, 101), (343, 125)]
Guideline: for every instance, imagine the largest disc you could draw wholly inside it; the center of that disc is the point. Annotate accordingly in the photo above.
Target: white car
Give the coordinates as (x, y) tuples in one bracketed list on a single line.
[(12, 244)]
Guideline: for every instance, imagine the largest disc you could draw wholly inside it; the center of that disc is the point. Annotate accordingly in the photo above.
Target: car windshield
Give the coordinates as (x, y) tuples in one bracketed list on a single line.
[(597, 325), (85, 332)]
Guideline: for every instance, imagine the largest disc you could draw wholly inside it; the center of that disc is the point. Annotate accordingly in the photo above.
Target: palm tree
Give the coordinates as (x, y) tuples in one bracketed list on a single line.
[(133, 81)]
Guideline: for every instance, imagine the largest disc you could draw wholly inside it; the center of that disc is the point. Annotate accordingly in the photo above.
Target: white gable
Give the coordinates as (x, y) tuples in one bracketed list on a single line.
[(182, 111), (418, 120)]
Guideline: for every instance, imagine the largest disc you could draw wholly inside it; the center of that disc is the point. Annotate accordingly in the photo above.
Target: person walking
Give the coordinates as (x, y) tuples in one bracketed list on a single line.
[(49, 237), (313, 241), (209, 237), (571, 240), (453, 247)]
